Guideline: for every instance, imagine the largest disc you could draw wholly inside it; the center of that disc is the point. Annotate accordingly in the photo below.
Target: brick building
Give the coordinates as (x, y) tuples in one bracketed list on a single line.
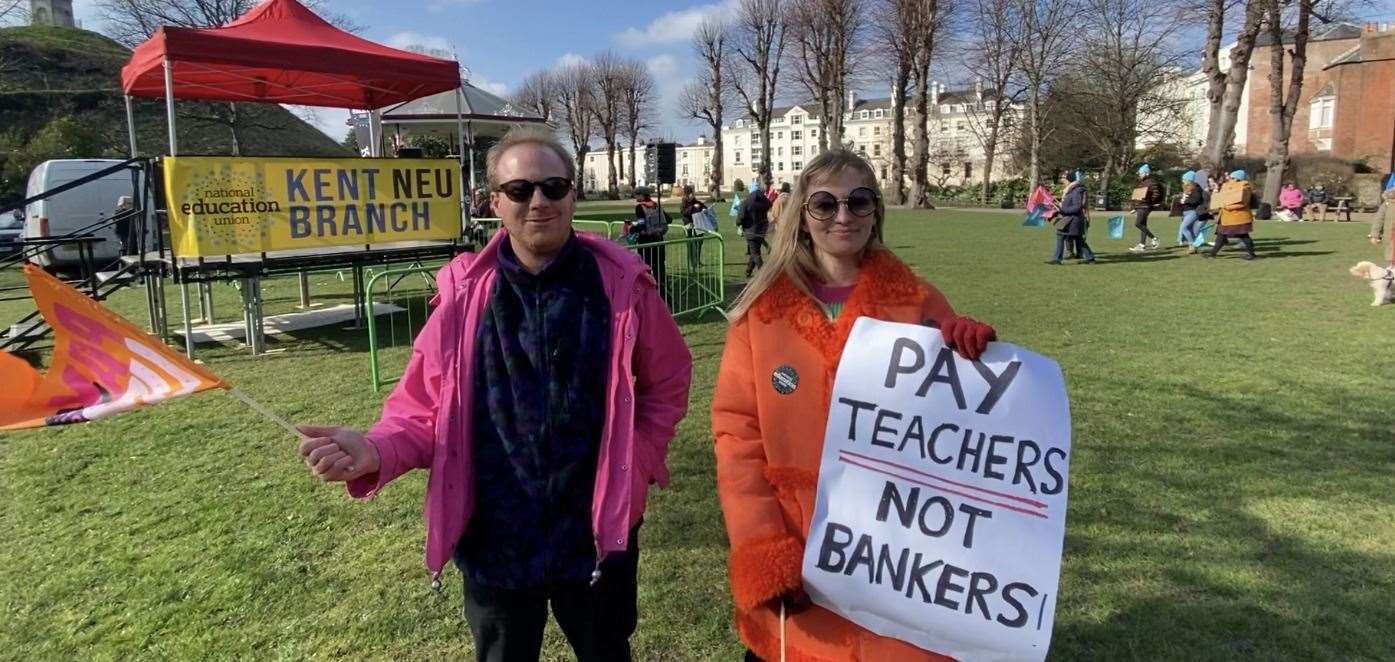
[(1347, 105)]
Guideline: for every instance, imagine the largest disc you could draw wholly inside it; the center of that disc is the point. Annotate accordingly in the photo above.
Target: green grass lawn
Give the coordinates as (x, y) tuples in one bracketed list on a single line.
[(1231, 491)]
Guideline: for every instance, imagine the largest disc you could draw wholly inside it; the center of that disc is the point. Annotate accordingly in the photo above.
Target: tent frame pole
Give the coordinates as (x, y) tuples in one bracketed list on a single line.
[(174, 151), (460, 141), (131, 126)]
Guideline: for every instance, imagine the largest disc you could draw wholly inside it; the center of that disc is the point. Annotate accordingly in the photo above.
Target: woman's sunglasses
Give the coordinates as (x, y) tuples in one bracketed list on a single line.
[(823, 206), (521, 190)]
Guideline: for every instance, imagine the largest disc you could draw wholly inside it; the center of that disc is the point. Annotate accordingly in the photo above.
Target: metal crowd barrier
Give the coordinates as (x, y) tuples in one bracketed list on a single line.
[(688, 270)]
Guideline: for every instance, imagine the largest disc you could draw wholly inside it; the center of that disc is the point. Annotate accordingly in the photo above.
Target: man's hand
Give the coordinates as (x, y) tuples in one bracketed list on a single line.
[(337, 453)]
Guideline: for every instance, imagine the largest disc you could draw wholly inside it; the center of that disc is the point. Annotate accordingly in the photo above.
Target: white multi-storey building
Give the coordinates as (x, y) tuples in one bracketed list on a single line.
[(956, 152), (692, 166)]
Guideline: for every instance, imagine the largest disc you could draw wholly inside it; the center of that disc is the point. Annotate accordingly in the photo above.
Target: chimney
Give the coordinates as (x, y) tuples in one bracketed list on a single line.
[(934, 93), (852, 99)]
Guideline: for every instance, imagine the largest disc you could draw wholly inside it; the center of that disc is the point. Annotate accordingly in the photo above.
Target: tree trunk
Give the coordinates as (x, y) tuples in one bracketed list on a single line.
[(825, 124), (1235, 84), (1211, 65), (581, 153), (1034, 158), (634, 175), (920, 193), (233, 130), (765, 171), (897, 185), (1282, 107), (614, 183), (717, 151), (989, 152), (1106, 177)]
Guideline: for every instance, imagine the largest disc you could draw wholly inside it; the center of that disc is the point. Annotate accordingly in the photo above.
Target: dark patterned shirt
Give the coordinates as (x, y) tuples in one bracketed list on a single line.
[(542, 354)]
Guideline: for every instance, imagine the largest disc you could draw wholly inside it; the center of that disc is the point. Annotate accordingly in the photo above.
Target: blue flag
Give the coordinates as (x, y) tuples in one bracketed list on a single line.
[(1034, 219)]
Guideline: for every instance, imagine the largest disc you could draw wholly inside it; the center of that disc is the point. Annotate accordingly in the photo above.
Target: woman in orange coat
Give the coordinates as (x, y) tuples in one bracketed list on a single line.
[(771, 405)]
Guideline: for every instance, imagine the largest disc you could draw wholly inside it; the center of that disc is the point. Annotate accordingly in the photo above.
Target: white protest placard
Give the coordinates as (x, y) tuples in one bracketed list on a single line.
[(942, 494)]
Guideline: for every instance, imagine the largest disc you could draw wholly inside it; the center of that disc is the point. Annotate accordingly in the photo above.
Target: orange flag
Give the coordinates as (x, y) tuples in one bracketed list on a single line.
[(102, 364)]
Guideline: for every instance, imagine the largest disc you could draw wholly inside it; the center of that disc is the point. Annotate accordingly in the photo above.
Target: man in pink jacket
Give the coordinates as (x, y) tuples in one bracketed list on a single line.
[(542, 395)]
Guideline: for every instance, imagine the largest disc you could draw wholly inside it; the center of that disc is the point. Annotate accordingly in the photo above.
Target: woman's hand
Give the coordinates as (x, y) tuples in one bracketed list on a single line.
[(337, 454), (967, 336)]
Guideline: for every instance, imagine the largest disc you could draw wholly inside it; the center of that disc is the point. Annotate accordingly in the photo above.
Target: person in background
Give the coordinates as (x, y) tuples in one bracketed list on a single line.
[(124, 222), (1291, 203), (1070, 221), (788, 330), (778, 206), (545, 387), (1385, 218), (1143, 205), (651, 227), (1317, 202), (1192, 200), (771, 192), (1237, 219), (754, 222), (690, 208)]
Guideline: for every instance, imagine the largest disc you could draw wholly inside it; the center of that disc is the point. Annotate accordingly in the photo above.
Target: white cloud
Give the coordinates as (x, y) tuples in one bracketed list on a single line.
[(498, 89), (415, 41), (662, 67), (570, 59), (330, 121), (675, 26)]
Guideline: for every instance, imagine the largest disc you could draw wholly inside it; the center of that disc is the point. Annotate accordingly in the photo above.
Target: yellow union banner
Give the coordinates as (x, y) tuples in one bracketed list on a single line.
[(226, 205)]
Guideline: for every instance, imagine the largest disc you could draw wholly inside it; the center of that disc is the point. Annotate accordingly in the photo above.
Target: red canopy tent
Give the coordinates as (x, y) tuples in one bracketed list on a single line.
[(280, 52)]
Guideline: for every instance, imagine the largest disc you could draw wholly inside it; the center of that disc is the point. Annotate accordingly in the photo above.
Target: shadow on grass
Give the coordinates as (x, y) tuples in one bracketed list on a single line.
[(1212, 544)]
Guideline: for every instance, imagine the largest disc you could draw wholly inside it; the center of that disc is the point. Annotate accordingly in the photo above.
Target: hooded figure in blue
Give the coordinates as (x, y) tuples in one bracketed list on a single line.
[(754, 220), (1070, 221)]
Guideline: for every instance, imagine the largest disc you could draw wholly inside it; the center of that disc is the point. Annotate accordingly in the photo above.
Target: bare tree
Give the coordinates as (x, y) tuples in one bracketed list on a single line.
[(710, 43), (637, 96), (574, 101), (13, 11), (1128, 58), (945, 155), (758, 37), (1282, 106), (538, 94), (992, 57), (926, 17), (1225, 89), (893, 26), (1046, 31), (827, 36), (607, 108)]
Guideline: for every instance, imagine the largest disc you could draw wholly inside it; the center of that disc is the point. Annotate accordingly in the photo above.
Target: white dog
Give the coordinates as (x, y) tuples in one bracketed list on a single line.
[(1381, 280)]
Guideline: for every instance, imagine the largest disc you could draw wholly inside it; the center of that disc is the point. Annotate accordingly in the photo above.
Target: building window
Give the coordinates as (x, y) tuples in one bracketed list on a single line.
[(877, 114), (861, 132), (959, 126), (1321, 111), (813, 133), (779, 135), (737, 140), (737, 157), (794, 135), (685, 156), (779, 151), (796, 150), (959, 108), (780, 165), (798, 165), (945, 170), (944, 128), (877, 149), (876, 131), (883, 172), (740, 123), (862, 115), (968, 170), (685, 170), (797, 119), (944, 109), (862, 150)]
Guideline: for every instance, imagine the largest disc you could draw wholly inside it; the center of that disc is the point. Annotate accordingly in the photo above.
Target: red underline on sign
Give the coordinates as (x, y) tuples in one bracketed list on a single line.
[(1030, 502), (966, 495)]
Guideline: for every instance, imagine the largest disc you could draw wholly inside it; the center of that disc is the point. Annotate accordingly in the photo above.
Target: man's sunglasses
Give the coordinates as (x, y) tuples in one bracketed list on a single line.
[(823, 206), (521, 190)]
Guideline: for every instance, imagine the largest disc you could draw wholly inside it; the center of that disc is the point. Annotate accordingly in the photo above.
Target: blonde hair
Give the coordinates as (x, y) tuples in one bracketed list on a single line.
[(792, 249), (526, 135)]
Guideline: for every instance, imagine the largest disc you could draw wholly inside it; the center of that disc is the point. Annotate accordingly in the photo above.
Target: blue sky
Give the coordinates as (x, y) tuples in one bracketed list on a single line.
[(503, 41)]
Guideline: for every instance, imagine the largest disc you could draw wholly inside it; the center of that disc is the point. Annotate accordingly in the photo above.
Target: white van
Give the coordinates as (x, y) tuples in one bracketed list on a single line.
[(75, 209)]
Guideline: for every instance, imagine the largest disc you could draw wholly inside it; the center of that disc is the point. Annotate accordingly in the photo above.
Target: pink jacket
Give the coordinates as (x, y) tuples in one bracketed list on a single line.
[(1290, 197), (426, 422)]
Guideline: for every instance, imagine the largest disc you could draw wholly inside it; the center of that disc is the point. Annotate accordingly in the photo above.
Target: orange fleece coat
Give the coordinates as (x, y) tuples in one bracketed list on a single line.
[(769, 446)]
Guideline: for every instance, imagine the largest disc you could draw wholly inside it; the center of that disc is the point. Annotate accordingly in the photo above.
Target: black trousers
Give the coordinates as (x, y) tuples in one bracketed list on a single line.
[(1141, 222), (656, 257), (508, 624), (754, 257), (1244, 239)]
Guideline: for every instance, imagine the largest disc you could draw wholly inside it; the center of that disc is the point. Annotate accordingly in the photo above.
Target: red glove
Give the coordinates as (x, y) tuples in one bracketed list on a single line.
[(967, 336)]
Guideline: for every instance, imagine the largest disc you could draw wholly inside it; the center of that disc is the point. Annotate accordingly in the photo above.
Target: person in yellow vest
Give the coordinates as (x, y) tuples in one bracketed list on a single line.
[(1237, 219)]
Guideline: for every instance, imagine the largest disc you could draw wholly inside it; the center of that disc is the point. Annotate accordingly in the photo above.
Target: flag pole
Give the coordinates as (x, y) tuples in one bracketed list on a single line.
[(266, 413)]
